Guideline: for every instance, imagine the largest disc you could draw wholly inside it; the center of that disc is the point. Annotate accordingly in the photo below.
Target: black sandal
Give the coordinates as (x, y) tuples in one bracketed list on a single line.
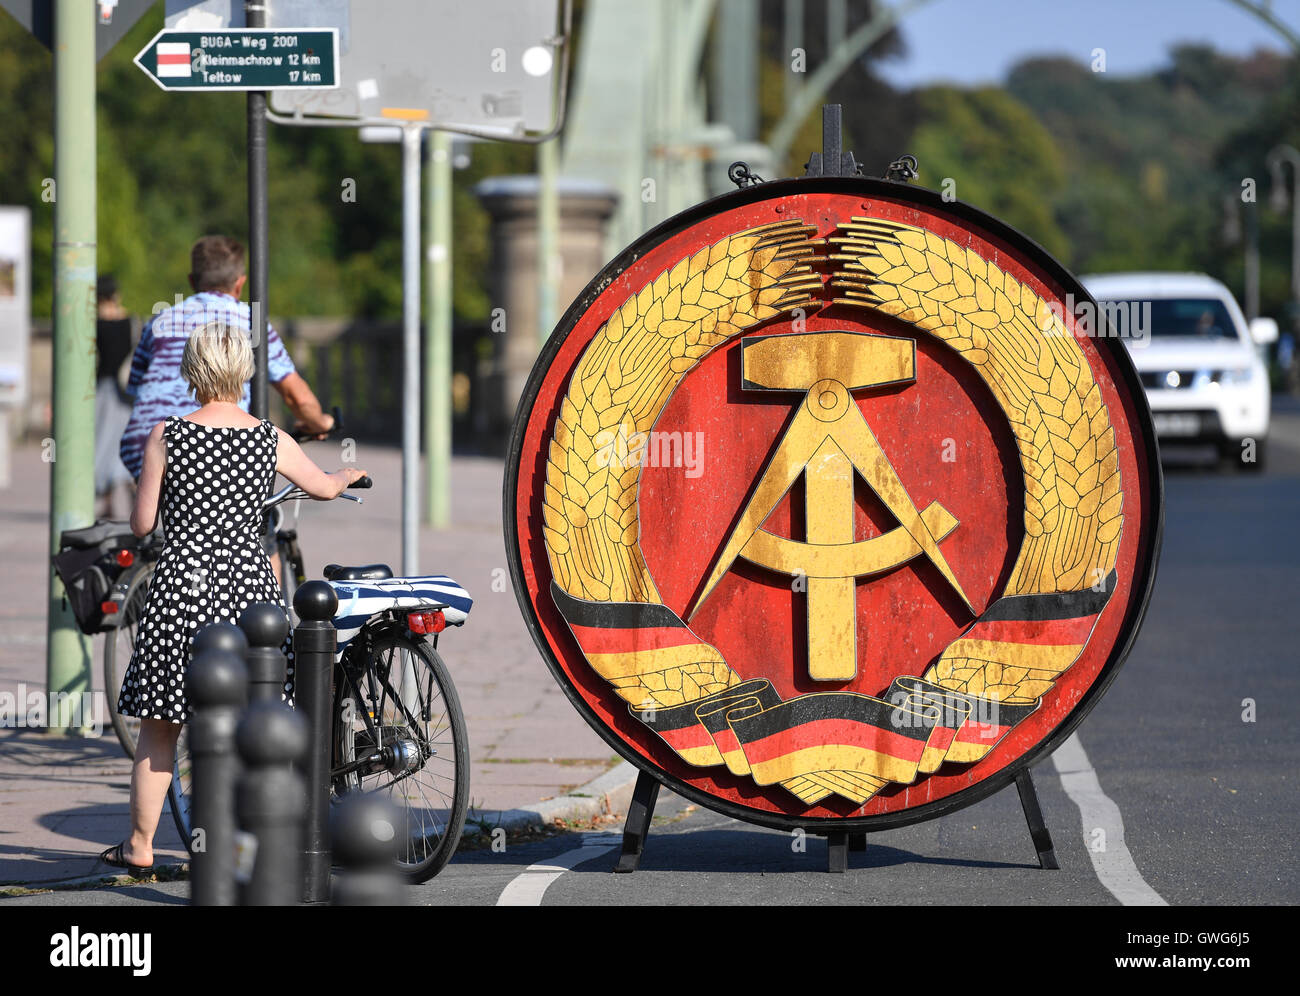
[(113, 856)]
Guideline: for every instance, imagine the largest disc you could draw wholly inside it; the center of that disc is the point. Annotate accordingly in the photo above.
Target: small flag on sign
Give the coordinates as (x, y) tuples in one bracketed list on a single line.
[(173, 59)]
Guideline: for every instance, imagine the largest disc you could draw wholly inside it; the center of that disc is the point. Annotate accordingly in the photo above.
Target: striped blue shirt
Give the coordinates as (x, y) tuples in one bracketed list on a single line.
[(156, 383)]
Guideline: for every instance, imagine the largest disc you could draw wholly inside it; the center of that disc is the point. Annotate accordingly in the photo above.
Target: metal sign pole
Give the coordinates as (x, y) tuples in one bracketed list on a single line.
[(67, 664), (437, 340), (548, 229), (410, 349), (258, 240)]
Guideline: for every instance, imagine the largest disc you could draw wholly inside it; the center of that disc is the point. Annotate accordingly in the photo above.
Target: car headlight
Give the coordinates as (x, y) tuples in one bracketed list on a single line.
[(1235, 377)]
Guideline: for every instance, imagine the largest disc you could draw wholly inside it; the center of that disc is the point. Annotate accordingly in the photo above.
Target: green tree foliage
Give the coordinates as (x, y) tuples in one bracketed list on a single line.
[(1151, 160), (995, 153), (1243, 156), (1107, 172), (173, 166)]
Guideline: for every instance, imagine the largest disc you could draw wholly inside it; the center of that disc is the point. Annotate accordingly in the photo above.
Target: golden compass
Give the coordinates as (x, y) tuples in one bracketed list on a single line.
[(827, 441)]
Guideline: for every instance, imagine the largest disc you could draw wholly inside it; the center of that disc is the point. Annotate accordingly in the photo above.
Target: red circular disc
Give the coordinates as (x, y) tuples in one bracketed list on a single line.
[(825, 510)]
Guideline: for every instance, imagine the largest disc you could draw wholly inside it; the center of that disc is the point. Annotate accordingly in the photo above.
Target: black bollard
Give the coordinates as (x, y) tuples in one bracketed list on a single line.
[(221, 636), (271, 801), (217, 686), (363, 832), (266, 626), (313, 654)]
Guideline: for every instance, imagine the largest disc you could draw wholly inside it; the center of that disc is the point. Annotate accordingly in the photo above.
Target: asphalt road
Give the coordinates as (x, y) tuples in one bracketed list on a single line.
[(1207, 800)]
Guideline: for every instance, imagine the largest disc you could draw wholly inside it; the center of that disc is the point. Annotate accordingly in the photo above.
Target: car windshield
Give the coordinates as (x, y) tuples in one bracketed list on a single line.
[(1186, 318)]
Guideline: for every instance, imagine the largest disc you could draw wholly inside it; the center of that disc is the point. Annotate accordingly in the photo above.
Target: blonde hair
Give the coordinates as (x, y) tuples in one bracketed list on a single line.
[(218, 362)]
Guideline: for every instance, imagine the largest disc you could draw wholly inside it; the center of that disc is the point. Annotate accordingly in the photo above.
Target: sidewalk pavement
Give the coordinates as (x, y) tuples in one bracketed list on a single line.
[(64, 799)]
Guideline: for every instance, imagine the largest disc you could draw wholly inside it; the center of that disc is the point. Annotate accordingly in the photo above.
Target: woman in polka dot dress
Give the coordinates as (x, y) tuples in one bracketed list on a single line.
[(212, 470)]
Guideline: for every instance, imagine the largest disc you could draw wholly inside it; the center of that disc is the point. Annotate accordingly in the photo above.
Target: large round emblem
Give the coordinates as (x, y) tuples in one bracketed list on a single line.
[(827, 508)]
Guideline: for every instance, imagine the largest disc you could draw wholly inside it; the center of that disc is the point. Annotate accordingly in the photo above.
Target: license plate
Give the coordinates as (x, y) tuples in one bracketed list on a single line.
[(1176, 424)]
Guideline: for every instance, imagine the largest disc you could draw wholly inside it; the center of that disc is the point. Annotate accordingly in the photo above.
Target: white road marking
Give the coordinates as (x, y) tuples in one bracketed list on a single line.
[(528, 887), (1114, 865)]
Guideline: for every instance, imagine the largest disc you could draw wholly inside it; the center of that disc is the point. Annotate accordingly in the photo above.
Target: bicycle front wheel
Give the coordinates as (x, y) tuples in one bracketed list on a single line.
[(118, 645), (403, 714), (291, 574), (180, 795)]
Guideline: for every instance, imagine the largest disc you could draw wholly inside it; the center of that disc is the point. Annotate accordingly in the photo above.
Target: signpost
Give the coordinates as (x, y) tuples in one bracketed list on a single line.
[(243, 59), (73, 416), (255, 59), (826, 513), (494, 69), (15, 316)]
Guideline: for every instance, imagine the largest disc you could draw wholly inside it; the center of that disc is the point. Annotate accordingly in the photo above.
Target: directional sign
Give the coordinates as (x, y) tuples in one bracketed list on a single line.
[(243, 59)]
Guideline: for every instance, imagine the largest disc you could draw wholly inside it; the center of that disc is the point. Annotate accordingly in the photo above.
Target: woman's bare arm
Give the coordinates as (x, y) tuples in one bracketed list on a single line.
[(294, 464), (144, 516)]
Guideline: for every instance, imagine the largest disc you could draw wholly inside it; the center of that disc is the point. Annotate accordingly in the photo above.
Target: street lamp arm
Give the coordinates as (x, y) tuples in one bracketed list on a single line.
[(1265, 14), (695, 33), (1289, 153), (1276, 156), (820, 81)]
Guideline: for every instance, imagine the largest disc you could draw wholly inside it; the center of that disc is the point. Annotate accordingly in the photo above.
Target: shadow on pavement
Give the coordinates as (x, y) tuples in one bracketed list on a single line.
[(724, 850)]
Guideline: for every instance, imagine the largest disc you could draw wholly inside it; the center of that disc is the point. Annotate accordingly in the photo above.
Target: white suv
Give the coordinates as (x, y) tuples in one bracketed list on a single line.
[(1204, 377)]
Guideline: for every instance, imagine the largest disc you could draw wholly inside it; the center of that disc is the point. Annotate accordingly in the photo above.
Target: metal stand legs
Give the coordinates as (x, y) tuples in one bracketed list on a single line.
[(838, 843), (1042, 837), (637, 826)]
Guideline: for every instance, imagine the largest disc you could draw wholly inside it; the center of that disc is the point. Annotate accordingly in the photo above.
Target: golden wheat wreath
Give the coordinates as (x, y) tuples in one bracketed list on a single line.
[(1015, 342)]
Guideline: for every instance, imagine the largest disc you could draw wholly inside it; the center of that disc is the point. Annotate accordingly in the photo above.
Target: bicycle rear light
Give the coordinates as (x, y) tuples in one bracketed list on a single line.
[(108, 608), (125, 558), (426, 621)]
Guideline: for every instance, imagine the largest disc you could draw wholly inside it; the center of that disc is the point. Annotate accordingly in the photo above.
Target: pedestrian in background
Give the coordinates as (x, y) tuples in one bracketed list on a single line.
[(156, 385), (159, 388), (113, 482)]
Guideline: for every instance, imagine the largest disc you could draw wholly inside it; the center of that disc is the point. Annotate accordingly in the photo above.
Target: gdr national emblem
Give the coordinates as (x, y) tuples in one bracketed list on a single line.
[(826, 510)]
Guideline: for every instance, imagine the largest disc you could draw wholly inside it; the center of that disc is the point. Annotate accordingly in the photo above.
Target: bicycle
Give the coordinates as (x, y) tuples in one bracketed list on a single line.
[(129, 594), (396, 720), (106, 572), (131, 591)]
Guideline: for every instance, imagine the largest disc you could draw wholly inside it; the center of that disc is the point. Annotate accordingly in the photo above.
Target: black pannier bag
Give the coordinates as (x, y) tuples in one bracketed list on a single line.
[(87, 565)]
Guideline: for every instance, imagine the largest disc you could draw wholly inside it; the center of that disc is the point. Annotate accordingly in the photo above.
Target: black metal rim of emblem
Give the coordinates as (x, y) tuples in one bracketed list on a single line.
[(868, 187)]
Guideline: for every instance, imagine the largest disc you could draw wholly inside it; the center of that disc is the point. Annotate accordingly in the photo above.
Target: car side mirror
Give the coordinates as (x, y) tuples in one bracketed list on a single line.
[(1263, 330)]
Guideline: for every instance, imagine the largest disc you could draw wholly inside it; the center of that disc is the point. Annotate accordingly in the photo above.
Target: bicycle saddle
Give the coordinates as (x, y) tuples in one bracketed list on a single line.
[(367, 572), (104, 530), (361, 600)]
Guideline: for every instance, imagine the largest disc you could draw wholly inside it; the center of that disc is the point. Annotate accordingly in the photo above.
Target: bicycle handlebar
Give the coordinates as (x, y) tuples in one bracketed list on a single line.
[(291, 491)]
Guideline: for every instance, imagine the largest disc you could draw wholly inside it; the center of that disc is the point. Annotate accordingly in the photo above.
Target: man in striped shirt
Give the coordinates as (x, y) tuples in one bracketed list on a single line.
[(217, 277)]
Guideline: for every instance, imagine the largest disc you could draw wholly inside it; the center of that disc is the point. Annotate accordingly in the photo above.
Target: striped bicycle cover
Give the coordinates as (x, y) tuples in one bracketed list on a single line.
[(360, 600)]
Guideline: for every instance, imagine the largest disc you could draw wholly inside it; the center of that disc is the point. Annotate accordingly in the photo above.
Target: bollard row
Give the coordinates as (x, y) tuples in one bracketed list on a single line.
[(217, 685), (314, 642), (363, 830), (261, 793), (270, 800), (247, 800)]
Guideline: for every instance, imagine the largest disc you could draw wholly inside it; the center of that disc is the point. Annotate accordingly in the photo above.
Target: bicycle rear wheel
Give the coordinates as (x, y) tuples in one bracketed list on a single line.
[(418, 742), (118, 645)]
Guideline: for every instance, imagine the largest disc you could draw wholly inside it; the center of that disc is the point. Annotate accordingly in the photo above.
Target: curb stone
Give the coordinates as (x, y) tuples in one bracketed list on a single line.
[(605, 794)]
